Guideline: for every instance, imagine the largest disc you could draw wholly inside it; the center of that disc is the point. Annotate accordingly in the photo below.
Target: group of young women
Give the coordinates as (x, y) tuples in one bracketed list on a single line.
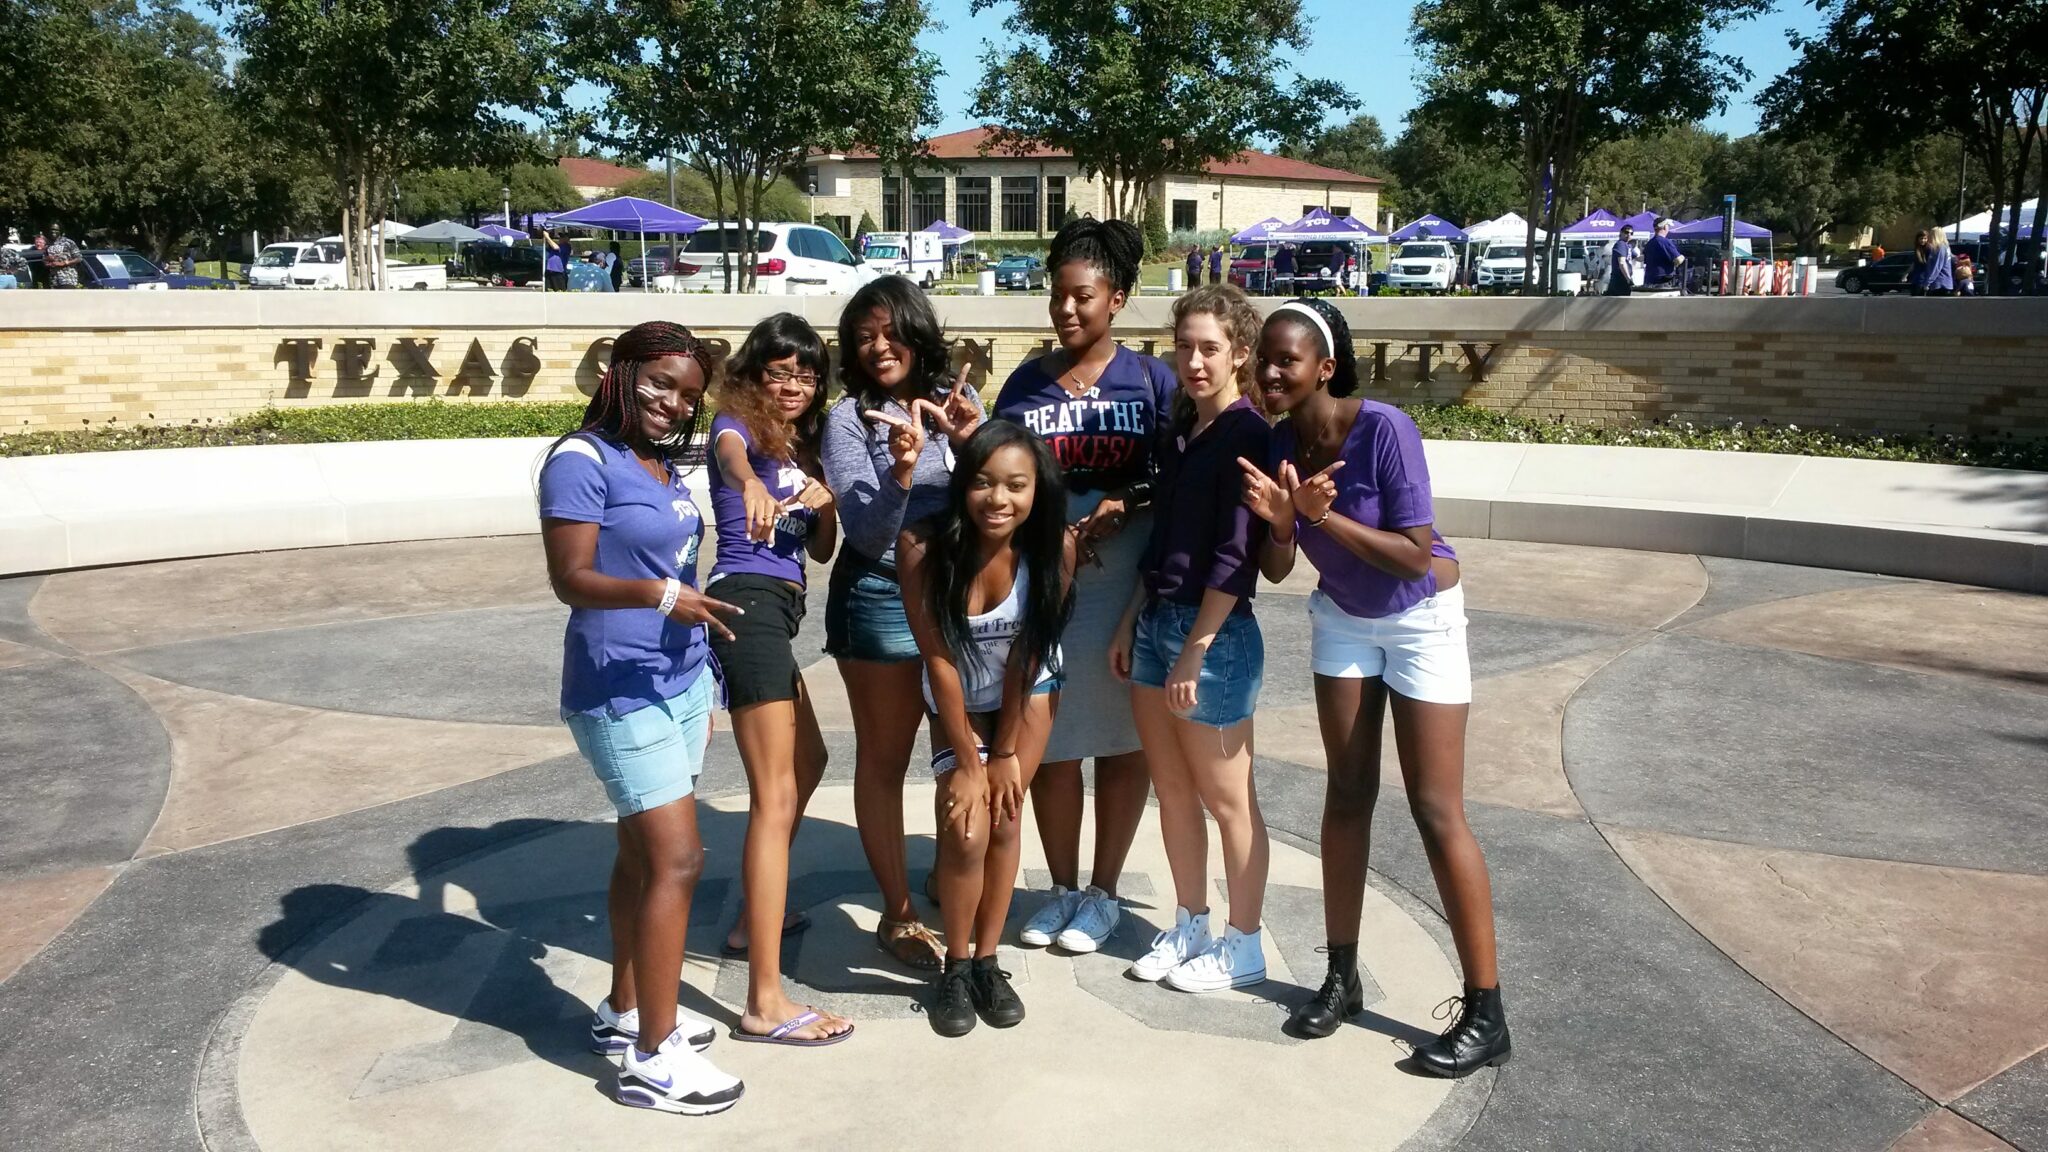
[(1068, 578)]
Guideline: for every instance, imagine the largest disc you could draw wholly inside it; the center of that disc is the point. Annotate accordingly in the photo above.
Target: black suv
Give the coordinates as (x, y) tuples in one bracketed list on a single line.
[(1879, 276)]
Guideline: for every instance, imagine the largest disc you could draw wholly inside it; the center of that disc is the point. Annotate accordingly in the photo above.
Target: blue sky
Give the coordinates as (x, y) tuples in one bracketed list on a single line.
[(1346, 32)]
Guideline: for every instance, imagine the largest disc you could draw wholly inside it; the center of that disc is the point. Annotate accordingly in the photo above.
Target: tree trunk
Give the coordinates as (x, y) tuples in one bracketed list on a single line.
[(2032, 281)]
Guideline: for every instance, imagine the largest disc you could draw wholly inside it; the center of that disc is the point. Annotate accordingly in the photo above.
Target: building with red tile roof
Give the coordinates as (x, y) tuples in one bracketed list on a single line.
[(595, 179)]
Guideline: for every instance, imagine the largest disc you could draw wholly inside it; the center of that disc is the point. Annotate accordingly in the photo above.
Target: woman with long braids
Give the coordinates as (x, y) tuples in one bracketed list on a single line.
[(772, 512), (888, 452), (621, 535), (1349, 483), (987, 588), (1098, 406)]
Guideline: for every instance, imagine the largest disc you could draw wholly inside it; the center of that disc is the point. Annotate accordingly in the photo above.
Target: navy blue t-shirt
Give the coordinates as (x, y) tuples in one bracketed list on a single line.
[(1203, 535), (1104, 438)]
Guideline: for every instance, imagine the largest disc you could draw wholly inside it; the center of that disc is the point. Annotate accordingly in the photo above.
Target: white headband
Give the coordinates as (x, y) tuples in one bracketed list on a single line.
[(1315, 318)]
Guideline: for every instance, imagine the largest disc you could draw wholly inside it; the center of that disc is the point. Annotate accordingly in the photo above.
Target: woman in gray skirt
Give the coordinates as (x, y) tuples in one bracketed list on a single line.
[(1097, 405)]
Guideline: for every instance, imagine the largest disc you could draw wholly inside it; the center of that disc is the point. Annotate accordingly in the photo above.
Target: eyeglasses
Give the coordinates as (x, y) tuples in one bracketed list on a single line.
[(784, 376)]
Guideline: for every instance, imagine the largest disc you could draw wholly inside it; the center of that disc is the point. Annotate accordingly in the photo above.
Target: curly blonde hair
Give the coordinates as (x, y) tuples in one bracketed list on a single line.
[(1232, 309)]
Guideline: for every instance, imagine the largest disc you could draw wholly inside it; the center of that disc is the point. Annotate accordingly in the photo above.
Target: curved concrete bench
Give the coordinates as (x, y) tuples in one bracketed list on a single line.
[(1968, 525)]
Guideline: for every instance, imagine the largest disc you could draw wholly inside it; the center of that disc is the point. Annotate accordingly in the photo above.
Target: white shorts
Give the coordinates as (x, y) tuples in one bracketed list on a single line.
[(1419, 653)]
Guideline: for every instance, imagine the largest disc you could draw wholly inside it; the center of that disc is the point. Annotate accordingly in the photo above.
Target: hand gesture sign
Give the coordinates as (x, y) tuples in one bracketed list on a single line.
[(1313, 496), (906, 438), (1272, 500), (693, 607), (814, 496), (762, 511), (959, 414)]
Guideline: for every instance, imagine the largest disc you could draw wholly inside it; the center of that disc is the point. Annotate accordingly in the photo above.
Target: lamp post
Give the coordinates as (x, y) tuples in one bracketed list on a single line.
[(507, 192)]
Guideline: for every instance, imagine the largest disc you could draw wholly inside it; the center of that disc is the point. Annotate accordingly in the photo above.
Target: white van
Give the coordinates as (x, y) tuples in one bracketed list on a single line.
[(321, 266), (793, 260), (918, 255), (273, 266)]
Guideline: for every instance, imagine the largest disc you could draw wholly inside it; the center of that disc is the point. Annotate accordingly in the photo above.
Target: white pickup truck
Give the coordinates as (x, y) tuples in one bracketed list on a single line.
[(273, 266), (320, 267), (1428, 265)]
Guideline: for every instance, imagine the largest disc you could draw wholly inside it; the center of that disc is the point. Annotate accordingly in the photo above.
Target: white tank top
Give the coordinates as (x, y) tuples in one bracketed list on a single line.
[(993, 631)]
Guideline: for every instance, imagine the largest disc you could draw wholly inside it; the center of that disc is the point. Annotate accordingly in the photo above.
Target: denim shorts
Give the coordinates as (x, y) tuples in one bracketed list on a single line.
[(650, 756), (1232, 668), (864, 617)]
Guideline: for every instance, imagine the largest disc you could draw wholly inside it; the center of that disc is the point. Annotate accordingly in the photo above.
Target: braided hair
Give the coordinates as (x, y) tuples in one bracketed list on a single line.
[(1112, 247), (1345, 380), (614, 409)]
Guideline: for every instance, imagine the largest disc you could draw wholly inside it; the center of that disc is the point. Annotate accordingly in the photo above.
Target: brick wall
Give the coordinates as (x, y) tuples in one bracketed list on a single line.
[(68, 360)]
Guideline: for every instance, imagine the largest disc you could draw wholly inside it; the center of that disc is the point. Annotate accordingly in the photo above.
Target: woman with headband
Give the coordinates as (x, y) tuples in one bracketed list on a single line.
[(621, 535), (1349, 484)]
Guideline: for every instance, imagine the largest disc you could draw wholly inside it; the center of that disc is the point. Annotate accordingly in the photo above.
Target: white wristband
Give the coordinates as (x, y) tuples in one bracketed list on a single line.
[(671, 591)]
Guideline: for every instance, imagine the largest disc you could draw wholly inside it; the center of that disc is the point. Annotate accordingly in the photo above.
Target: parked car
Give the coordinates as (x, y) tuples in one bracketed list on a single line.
[(1020, 271), (1312, 260), (659, 261), (123, 268), (321, 268), (1502, 265), (273, 266), (793, 259), (1429, 265), (1879, 276), (505, 264)]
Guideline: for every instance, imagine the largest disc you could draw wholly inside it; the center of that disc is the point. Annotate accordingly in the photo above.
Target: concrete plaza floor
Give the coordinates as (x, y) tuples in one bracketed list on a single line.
[(294, 855)]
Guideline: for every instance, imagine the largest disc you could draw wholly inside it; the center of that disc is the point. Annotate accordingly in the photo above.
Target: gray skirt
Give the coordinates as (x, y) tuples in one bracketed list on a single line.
[(1095, 707)]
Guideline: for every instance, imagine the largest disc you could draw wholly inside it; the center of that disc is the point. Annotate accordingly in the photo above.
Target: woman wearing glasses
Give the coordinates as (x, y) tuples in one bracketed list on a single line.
[(771, 512)]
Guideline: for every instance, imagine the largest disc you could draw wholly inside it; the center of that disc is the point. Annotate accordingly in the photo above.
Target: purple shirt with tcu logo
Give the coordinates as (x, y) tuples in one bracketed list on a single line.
[(1384, 484), (625, 659), (780, 556), (1104, 438)]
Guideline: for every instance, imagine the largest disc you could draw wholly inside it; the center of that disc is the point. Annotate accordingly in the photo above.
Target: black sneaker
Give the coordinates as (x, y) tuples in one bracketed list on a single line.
[(997, 1002), (953, 999)]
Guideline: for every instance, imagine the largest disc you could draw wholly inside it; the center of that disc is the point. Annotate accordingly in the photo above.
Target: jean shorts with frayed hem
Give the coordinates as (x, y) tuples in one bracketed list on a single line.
[(864, 618), (650, 756), (1233, 668)]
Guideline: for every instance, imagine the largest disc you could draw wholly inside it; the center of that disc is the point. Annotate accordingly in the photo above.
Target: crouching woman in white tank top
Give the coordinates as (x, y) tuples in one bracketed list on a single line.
[(987, 587)]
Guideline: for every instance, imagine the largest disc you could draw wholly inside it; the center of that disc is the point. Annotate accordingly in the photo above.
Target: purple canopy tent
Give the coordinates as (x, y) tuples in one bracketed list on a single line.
[(500, 232), (1711, 227), (1320, 225), (1645, 223), (1258, 233), (947, 233), (1601, 225), (1432, 228), (628, 214)]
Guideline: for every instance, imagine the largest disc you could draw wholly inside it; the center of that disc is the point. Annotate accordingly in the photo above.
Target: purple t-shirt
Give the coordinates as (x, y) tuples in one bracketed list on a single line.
[(1203, 536), (1104, 439), (625, 659), (781, 556), (1384, 484)]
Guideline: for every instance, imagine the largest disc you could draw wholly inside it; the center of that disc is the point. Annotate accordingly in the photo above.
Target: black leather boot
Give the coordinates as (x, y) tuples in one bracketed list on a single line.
[(997, 1002), (1477, 1037), (1342, 996), (952, 1007)]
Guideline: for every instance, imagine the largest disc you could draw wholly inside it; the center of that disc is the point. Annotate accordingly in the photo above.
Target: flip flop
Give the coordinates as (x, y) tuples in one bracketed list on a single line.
[(800, 923), (795, 1023)]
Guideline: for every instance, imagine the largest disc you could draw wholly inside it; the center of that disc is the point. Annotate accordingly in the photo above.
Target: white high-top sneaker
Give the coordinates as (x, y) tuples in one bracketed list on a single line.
[(1188, 938), (1234, 961), (675, 1079), (1051, 917)]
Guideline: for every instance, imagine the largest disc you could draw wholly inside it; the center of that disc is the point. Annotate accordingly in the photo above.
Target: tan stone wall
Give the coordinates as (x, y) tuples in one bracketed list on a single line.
[(1238, 204), (69, 360)]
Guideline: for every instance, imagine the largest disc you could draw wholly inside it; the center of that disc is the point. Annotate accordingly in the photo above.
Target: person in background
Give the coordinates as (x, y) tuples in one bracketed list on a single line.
[(1661, 258), (1941, 271), (616, 265), (1195, 266), (1215, 266), (14, 271), (42, 242), (1966, 275), (555, 271), (621, 536), (190, 264), (1621, 263), (1923, 260), (62, 261), (1283, 270)]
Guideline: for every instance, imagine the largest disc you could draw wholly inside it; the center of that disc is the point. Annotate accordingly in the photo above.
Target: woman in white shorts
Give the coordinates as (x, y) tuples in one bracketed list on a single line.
[(1347, 480)]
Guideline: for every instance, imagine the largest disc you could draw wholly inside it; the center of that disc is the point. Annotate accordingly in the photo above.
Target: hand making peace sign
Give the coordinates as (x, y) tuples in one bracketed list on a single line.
[(959, 414), (1275, 499), (906, 440)]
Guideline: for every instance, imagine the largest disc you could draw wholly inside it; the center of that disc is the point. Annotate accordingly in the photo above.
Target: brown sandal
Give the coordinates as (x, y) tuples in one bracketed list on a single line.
[(910, 943)]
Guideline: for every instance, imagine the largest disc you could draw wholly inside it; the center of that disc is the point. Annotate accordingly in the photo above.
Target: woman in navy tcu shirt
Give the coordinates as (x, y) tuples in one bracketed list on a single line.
[(621, 535), (1097, 405), (1349, 482)]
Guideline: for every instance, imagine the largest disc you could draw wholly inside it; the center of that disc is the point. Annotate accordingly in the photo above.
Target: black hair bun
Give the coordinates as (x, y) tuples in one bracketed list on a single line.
[(1113, 247)]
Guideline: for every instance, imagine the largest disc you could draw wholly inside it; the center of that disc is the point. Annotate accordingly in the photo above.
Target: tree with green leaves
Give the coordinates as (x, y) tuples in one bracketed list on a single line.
[(1883, 74), (1357, 145), (1434, 170), (1803, 187), (1547, 81), (1138, 91), (377, 88), (1666, 171), (749, 88)]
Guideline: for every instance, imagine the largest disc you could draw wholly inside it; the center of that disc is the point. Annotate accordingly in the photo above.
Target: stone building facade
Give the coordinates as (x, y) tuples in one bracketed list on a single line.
[(1002, 195)]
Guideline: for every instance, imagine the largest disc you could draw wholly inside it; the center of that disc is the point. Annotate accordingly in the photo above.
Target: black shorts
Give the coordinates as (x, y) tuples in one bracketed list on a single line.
[(759, 662)]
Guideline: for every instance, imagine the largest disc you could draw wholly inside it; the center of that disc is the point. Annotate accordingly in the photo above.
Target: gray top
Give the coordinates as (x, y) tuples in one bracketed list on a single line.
[(873, 508)]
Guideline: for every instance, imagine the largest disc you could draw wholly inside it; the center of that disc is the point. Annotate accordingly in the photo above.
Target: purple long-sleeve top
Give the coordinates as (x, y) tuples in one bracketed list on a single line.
[(1203, 536), (873, 507)]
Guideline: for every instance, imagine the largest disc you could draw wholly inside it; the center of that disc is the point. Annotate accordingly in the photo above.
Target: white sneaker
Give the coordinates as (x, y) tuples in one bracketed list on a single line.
[(1095, 920), (1176, 946), (611, 1033), (1232, 962), (1050, 917), (676, 1079)]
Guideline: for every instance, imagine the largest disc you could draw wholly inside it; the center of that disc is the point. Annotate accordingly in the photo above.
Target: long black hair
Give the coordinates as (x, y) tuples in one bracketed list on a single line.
[(916, 327), (614, 409), (1112, 247), (743, 393), (953, 555), (1345, 380)]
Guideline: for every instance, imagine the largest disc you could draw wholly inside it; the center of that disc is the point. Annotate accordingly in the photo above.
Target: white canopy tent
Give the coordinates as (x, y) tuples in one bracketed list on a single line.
[(1974, 227), (1508, 229)]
